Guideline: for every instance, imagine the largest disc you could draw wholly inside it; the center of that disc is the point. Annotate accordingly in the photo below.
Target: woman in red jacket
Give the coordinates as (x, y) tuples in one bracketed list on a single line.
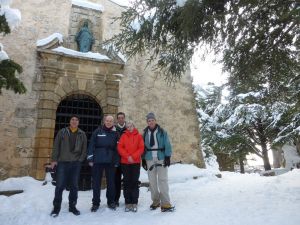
[(131, 147)]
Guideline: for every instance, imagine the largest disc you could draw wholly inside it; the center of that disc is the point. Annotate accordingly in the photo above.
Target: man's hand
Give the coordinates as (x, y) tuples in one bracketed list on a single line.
[(130, 159), (144, 164), (53, 164), (91, 164), (167, 161)]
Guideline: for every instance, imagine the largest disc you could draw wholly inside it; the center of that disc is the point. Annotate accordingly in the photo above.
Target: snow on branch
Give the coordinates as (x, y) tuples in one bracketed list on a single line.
[(12, 16), (5, 2), (3, 54), (180, 3)]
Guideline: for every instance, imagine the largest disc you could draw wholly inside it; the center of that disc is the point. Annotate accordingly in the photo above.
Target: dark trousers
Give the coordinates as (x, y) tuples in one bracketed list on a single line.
[(131, 173), (67, 173), (118, 180), (97, 172)]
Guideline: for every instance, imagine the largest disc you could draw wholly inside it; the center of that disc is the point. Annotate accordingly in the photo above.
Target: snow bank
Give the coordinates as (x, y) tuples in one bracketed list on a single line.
[(180, 173), (47, 40), (233, 200), (89, 5), (91, 55)]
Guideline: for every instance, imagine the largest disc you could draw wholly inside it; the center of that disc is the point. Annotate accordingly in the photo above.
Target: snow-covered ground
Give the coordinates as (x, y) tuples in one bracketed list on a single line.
[(234, 199)]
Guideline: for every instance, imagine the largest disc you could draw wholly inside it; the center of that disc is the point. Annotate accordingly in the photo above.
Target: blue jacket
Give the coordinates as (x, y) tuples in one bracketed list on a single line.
[(103, 147), (163, 144)]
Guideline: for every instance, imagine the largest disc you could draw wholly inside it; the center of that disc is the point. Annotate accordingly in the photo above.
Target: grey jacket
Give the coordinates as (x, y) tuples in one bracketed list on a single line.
[(61, 149)]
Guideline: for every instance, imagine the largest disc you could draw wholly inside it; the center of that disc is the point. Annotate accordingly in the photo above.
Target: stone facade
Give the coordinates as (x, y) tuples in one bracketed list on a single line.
[(27, 121)]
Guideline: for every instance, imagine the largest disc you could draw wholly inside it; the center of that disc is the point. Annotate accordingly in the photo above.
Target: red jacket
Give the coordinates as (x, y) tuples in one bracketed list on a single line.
[(131, 144)]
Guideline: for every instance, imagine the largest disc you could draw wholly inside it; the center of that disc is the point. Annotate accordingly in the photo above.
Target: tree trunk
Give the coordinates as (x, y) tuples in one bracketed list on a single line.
[(266, 160), (277, 157), (263, 143), (242, 168), (298, 145)]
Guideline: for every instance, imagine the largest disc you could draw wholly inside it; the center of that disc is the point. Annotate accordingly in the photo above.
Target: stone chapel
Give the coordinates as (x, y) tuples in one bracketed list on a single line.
[(61, 81)]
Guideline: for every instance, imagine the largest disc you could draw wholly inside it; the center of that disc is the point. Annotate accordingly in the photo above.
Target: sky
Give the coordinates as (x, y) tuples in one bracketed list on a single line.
[(206, 71)]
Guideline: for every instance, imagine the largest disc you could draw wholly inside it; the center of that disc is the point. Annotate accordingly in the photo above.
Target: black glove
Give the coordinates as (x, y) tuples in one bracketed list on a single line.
[(144, 164), (167, 161)]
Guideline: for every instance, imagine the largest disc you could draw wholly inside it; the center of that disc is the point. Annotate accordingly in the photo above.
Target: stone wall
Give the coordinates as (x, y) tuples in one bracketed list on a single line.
[(26, 119), (18, 113)]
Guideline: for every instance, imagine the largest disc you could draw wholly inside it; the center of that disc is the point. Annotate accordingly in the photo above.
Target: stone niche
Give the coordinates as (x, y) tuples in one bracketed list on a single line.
[(60, 75)]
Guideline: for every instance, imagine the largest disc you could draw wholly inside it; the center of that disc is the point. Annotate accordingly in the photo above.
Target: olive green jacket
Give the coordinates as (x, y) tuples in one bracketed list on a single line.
[(61, 149)]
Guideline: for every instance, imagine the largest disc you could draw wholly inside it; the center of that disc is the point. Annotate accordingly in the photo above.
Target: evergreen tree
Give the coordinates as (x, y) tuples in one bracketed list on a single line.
[(8, 68), (216, 138), (256, 38)]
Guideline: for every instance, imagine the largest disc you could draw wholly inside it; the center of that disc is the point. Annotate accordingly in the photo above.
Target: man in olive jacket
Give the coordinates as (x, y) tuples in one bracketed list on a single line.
[(70, 149)]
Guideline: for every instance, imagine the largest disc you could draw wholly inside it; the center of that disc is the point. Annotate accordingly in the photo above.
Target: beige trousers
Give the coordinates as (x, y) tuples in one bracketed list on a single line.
[(158, 180)]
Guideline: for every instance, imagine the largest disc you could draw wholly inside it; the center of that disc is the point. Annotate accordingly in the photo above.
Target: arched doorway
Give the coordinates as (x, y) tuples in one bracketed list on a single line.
[(90, 114)]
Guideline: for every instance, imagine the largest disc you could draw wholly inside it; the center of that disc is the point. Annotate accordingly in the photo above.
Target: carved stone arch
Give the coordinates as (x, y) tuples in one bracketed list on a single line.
[(61, 75)]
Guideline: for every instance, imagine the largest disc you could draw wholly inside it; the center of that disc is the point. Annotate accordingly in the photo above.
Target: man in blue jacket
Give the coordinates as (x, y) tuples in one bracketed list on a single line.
[(156, 160), (103, 156)]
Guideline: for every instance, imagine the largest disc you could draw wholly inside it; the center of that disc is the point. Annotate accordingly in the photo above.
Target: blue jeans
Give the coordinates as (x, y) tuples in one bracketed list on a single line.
[(97, 172), (67, 175)]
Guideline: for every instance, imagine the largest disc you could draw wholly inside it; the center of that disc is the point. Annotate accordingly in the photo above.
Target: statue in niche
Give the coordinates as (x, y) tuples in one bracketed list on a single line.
[(84, 38)]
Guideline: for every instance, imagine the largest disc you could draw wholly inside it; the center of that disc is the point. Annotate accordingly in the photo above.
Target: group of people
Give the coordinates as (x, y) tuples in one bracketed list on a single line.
[(116, 149)]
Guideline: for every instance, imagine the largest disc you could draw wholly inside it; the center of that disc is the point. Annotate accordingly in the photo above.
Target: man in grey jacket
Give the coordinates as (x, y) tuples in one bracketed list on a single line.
[(69, 150)]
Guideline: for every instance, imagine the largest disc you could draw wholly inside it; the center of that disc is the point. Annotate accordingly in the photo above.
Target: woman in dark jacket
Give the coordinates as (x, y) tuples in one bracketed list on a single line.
[(130, 148), (103, 155)]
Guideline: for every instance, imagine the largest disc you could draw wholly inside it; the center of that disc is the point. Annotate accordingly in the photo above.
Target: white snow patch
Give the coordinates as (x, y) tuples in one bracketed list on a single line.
[(47, 40), (91, 55), (3, 54), (180, 3), (87, 4), (234, 199), (291, 156), (136, 25), (5, 2), (12, 16), (113, 49)]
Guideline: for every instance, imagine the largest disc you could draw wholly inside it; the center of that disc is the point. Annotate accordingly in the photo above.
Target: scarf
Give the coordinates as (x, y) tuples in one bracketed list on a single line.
[(107, 129), (152, 141)]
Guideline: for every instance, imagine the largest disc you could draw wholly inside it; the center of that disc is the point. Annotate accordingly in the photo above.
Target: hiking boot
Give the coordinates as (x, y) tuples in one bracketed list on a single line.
[(134, 208), (128, 207), (73, 210), (117, 204), (94, 208), (112, 206), (154, 206), (167, 208), (55, 211)]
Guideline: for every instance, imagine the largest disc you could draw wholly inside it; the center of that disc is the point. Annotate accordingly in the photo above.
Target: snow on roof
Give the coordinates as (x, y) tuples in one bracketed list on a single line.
[(47, 40), (111, 47), (91, 55), (87, 4)]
